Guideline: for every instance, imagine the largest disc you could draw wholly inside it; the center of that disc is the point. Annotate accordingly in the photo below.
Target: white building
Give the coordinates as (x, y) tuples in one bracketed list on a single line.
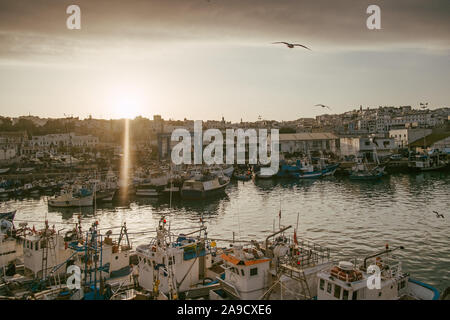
[(403, 137), (304, 142), (63, 140), (358, 146)]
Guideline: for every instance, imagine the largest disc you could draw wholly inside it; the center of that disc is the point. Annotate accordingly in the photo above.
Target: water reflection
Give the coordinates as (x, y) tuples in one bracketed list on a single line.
[(353, 218)]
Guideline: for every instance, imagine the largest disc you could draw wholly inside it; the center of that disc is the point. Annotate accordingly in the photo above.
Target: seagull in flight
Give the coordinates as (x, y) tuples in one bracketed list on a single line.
[(291, 45), (323, 106), (439, 215)]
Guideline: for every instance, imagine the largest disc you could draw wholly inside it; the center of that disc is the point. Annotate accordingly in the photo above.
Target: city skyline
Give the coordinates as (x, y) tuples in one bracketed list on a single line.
[(204, 60)]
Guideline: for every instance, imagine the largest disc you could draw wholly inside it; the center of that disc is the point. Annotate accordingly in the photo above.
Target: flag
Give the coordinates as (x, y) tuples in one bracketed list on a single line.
[(295, 237), (279, 214)]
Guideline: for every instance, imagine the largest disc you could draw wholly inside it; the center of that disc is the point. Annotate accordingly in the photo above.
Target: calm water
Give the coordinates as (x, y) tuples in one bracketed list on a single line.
[(352, 218)]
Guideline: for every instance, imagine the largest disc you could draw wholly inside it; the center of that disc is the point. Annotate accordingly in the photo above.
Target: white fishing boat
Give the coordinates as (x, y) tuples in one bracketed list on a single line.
[(274, 270), (4, 170), (83, 198), (172, 267), (154, 186), (352, 281), (24, 170), (432, 161), (10, 248), (206, 187)]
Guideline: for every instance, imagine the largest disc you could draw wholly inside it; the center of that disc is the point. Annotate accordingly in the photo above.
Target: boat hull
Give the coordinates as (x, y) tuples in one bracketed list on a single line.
[(75, 202), (202, 194)]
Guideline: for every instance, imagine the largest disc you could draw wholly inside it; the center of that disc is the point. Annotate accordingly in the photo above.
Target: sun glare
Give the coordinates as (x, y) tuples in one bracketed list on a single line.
[(127, 104)]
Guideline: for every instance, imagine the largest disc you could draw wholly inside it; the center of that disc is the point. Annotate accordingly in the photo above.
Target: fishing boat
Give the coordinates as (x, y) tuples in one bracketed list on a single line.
[(353, 281), (272, 269), (10, 249), (206, 186), (81, 198), (103, 262), (307, 171), (287, 169), (4, 170), (361, 171), (242, 175), (433, 161), (173, 266), (106, 189), (152, 186), (228, 171), (24, 170)]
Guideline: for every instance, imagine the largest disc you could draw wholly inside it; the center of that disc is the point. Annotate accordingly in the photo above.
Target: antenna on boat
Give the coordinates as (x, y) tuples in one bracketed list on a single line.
[(279, 214)]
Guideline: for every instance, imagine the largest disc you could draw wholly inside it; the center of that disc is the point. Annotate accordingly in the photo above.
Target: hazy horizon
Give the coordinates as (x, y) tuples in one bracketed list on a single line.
[(203, 60)]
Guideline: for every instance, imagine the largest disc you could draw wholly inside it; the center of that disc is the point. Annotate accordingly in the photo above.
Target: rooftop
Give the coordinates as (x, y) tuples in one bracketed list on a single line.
[(307, 136)]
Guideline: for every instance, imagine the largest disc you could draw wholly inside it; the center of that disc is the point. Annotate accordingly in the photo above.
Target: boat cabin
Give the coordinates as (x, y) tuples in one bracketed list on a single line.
[(247, 275)]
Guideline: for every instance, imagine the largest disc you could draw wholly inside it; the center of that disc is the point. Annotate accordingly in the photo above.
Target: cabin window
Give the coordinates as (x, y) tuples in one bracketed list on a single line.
[(322, 284), (345, 295), (355, 295), (28, 244), (337, 291), (254, 271), (242, 272), (36, 246), (329, 287)]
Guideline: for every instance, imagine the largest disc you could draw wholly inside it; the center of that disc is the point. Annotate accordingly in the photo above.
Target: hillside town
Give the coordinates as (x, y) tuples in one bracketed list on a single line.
[(31, 141)]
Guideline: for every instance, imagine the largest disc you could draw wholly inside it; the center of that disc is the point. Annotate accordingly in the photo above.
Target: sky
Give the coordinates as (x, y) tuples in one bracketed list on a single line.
[(202, 60)]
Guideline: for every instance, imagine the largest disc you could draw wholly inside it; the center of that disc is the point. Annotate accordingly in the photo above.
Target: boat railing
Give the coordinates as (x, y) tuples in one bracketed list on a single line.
[(306, 253)]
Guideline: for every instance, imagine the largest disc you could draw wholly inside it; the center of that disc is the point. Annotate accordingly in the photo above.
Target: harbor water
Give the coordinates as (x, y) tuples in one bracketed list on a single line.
[(353, 218)]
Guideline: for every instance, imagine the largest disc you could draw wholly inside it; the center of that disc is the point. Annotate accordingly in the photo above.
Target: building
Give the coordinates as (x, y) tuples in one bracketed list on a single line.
[(307, 142), (51, 141), (360, 146), (403, 137), (11, 144)]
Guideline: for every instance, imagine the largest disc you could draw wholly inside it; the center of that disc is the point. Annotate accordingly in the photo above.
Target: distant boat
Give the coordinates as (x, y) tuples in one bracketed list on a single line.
[(330, 169), (206, 187), (307, 171), (361, 172), (227, 171), (429, 162), (4, 170), (152, 187), (84, 198), (308, 175), (243, 176), (24, 170)]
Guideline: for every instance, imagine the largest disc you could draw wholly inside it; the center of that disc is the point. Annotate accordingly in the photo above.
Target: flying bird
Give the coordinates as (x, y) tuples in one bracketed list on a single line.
[(439, 215), (323, 106), (291, 45)]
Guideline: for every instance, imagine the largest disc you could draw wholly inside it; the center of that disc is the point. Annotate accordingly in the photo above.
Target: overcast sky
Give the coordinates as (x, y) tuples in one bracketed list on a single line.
[(202, 59)]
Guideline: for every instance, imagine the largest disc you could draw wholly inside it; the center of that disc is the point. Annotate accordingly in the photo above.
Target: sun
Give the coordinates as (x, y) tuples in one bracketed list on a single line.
[(126, 103)]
